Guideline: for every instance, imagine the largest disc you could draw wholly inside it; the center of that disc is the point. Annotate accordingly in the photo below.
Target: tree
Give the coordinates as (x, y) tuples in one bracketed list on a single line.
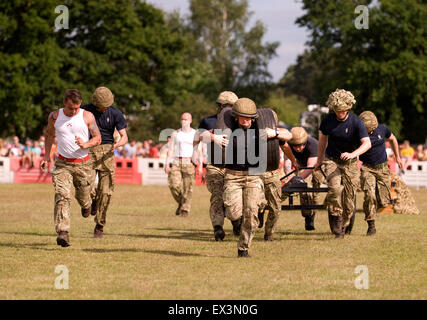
[(384, 66), (238, 56)]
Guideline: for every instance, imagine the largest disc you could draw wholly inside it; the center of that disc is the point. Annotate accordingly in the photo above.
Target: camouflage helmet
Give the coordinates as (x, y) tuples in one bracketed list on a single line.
[(370, 120), (102, 97), (340, 100), (245, 107), (299, 136), (227, 97)]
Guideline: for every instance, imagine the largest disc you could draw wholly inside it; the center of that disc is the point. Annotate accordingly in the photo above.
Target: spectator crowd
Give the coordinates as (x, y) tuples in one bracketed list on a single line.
[(32, 151)]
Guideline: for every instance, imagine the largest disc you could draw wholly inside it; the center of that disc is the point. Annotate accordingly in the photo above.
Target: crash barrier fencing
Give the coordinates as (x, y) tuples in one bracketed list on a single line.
[(416, 174)]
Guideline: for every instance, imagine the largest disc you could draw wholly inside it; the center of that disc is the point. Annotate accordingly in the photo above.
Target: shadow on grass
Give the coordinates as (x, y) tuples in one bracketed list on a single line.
[(33, 246), (164, 252), (187, 234), (30, 233)]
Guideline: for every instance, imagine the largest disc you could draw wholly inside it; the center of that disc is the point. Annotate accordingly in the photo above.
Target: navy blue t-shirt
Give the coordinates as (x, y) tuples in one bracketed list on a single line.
[(208, 123), (111, 119), (343, 136), (310, 151), (377, 154)]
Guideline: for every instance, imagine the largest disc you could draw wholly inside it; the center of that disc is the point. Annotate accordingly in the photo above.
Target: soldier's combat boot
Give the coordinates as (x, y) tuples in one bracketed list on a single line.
[(86, 212), (261, 218), (219, 233), (62, 239), (184, 214), (371, 228), (237, 224), (178, 210), (243, 254), (98, 232), (268, 237), (337, 227), (309, 223), (93, 208)]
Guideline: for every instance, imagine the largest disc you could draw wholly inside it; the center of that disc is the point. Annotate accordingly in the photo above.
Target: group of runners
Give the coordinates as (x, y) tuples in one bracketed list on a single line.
[(241, 189)]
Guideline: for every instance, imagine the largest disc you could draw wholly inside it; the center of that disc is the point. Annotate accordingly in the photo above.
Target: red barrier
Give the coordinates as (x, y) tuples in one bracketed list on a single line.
[(127, 172), (28, 175), (199, 181)]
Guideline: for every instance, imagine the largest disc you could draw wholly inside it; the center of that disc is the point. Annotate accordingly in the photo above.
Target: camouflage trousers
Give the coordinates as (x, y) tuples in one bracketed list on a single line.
[(343, 181), (215, 185), (242, 196), (181, 180), (314, 180), (376, 185), (273, 194), (403, 202), (64, 176), (103, 165)]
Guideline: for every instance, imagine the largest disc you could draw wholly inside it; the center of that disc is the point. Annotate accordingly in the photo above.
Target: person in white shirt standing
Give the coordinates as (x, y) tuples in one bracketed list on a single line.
[(182, 173), (71, 126)]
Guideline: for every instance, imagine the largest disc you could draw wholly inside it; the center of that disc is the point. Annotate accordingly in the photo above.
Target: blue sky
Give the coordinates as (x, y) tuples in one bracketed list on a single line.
[(279, 18)]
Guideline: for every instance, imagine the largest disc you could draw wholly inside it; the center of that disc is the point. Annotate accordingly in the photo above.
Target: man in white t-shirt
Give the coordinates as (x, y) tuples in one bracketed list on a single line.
[(182, 173), (71, 126)]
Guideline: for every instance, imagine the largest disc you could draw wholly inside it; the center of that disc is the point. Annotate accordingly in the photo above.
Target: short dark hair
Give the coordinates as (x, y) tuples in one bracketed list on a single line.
[(74, 95)]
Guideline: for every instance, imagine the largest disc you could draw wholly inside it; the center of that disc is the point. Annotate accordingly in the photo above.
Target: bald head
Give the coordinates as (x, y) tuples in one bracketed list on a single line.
[(186, 116), (186, 120)]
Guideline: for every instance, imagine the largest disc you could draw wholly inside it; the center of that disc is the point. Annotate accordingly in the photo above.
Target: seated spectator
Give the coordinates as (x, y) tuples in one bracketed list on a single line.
[(129, 149), (4, 148), (154, 151), (28, 154), (420, 152), (407, 154), (16, 149), (164, 150), (37, 151), (140, 153), (118, 152), (42, 146), (146, 148)]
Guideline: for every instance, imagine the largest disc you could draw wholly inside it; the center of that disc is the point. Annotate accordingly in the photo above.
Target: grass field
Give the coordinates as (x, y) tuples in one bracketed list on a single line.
[(149, 253)]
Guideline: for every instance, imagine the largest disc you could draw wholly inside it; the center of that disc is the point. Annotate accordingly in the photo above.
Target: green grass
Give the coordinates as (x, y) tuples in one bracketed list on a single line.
[(149, 253)]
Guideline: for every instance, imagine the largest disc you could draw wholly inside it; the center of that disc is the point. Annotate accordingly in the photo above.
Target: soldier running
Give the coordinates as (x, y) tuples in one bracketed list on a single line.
[(71, 125), (181, 175), (108, 120), (342, 137), (375, 173)]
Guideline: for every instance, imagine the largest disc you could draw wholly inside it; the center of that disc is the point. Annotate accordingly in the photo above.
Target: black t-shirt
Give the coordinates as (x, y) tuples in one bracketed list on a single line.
[(310, 151), (209, 123), (377, 154), (343, 136), (111, 119), (249, 144)]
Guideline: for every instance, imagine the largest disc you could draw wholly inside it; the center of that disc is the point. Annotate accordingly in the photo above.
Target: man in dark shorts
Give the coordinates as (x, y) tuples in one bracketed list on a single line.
[(375, 173), (342, 138), (108, 119)]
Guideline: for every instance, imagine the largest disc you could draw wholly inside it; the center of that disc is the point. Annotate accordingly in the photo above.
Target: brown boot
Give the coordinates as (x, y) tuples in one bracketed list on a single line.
[(268, 237), (178, 210), (371, 228), (337, 227), (86, 212), (98, 232), (62, 239)]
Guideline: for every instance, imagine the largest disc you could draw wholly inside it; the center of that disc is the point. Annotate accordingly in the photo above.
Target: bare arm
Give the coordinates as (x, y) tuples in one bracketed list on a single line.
[(284, 134), (311, 162), (94, 131), (395, 148), (288, 153), (365, 146), (171, 150), (323, 143), (50, 137), (123, 139)]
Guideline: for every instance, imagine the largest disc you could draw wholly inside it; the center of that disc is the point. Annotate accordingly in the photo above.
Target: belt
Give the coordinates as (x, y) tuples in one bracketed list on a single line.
[(376, 166), (183, 157), (74, 159), (237, 172)]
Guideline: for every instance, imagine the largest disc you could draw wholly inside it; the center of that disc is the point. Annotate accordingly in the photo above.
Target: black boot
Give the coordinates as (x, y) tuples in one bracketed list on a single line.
[(371, 228), (309, 223), (219, 233), (63, 239), (337, 227), (237, 224), (261, 218), (243, 254)]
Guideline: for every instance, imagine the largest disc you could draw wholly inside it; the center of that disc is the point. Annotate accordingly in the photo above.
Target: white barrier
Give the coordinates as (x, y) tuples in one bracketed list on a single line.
[(416, 175), (6, 175), (153, 171)]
